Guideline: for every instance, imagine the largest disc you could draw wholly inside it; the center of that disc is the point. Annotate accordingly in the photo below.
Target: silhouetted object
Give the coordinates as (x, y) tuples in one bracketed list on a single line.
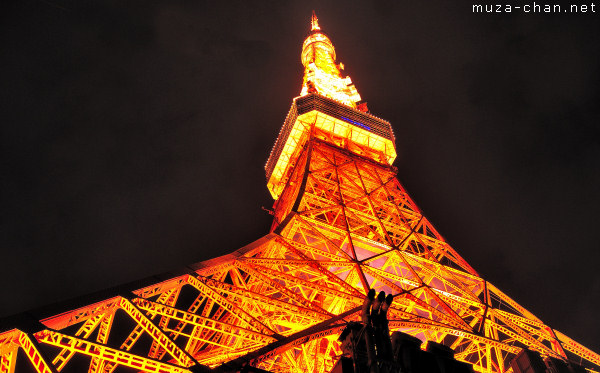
[(368, 348), (555, 365), (344, 365), (444, 357), (528, 361), (406, 351)]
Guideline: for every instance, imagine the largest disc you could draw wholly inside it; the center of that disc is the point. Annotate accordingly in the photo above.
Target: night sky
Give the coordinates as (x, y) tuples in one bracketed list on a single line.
[(134, 136)]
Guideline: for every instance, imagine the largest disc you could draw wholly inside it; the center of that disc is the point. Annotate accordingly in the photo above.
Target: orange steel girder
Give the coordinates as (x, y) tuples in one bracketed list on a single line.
[(343, 224), (275, 303)]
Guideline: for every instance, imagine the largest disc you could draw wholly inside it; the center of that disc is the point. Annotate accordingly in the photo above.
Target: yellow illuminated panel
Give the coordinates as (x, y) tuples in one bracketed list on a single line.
[(347, 134)]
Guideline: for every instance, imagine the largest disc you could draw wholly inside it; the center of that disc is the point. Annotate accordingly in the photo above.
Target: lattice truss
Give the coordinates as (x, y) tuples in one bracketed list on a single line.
[(343, 225)]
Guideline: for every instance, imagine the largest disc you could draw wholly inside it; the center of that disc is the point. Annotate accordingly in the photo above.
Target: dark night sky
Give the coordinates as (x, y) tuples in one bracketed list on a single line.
[(134, 136)]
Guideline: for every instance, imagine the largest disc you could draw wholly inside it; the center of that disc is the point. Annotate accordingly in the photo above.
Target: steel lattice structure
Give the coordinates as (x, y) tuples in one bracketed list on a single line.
[(343, 224)]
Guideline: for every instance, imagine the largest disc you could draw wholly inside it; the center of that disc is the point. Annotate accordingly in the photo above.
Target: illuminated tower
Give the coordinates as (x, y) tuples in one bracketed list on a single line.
[(343, 224)]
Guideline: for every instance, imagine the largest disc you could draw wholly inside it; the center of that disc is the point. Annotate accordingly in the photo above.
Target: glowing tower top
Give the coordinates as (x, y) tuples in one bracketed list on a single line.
[(329, 108), (321, 73)]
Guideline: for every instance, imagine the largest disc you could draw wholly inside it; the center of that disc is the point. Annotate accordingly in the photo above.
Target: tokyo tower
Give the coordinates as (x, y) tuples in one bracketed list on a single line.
[(343, 226)]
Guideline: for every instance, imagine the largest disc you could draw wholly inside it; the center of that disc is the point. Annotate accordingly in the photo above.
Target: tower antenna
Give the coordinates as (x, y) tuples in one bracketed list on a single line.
[(314, 22)]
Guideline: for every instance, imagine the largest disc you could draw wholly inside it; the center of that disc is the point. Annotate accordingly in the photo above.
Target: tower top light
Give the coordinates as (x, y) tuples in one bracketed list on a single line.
[(321, 73), (314, 22)]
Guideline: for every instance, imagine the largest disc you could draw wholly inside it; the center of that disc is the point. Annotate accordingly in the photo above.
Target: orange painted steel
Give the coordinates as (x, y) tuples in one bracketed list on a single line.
[(343, 224)]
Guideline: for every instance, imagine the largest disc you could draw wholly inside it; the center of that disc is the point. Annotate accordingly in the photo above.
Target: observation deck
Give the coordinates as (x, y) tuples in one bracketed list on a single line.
[(331, 121)]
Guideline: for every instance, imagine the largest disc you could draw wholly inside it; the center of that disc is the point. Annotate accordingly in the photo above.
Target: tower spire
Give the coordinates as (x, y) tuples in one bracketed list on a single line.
[(321, 73), (314, 22)]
